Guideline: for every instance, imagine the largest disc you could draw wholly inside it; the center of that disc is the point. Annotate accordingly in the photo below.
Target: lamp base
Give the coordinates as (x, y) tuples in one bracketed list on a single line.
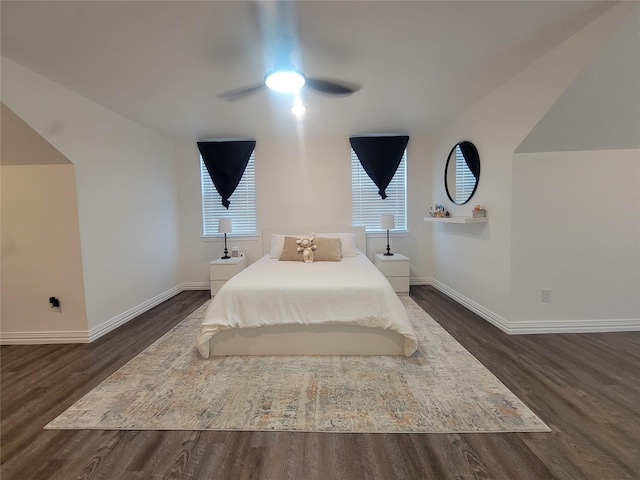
[(226, 252), (388, 254)]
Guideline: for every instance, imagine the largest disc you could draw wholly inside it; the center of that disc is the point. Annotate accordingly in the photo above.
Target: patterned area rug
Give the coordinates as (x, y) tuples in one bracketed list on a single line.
[(441, 388)]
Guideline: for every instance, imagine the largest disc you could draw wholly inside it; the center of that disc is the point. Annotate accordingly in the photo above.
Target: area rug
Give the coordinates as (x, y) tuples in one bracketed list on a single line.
[(442, 388)]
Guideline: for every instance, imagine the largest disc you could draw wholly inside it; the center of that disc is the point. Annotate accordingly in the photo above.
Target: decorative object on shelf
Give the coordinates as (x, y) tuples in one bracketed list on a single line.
[(478, 212), (224, 226), (462, 172), (387, 222), (438, 212), (235, 251), (478, 215)]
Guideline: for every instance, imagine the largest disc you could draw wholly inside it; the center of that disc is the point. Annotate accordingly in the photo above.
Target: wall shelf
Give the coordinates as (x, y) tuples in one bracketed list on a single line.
[(457, 219)]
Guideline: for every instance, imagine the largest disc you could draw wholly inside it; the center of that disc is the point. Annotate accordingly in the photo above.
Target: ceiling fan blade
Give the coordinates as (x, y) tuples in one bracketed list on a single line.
[(332, 87), (240, 93)]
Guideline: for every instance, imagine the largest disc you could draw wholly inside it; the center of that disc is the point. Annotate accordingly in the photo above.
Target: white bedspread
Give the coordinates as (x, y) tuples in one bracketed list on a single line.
[(270, 292)]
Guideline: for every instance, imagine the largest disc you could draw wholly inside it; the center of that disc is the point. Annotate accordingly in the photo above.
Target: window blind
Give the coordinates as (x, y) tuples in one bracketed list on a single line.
[(465, 181), (366, 204), (242, 210)]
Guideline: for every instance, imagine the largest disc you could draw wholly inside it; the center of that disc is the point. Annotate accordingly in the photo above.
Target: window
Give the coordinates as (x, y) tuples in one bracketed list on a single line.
[(465, 181), (242, 210), (366, 204)]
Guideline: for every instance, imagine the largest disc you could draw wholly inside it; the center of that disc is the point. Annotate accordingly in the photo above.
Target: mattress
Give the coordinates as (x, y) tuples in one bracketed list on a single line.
[(271, 292)]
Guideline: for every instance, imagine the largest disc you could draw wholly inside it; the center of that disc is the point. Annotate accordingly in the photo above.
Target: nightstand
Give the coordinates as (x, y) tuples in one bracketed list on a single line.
[(396, 268), (223, 269)]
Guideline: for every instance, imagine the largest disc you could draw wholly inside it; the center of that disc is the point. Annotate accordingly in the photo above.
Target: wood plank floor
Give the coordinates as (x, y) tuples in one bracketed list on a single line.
[(586, 387)]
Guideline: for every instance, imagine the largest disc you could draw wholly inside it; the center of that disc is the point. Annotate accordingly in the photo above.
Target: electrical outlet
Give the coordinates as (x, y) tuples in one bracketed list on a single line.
[(55, 304), (546, 294)]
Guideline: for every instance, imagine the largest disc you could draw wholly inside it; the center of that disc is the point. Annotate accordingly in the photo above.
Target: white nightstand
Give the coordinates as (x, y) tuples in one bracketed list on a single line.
[(396, 268), (223, 269)]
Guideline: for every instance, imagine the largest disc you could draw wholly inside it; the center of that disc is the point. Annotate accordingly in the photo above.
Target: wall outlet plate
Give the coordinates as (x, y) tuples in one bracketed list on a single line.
[(546, 294)]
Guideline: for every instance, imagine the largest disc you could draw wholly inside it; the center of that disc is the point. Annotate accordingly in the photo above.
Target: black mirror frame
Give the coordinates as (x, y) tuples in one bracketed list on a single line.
[(472, 158)]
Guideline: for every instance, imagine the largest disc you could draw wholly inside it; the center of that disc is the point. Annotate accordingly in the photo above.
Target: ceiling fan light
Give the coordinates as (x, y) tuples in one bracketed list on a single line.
[(298, 110), (284, 80)]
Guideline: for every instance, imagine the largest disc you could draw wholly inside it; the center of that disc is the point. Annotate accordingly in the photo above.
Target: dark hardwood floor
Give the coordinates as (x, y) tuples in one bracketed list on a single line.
[(586, 387)]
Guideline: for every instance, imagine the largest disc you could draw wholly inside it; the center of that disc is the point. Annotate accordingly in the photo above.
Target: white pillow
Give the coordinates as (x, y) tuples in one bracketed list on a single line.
[(347, 240), (277, 244)]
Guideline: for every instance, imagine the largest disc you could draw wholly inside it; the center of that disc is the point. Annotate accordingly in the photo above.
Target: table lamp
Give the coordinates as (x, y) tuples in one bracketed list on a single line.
[(387, 222), (224, 226)]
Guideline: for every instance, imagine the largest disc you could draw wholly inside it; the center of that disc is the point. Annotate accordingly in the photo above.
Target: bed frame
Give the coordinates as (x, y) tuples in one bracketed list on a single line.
[(309, 340)]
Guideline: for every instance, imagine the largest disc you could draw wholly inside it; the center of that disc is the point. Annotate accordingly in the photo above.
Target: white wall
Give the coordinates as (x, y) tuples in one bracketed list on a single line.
[(41, 253), (127, 194), (298, 183), (576, 230), (473, 262), (576, 200)]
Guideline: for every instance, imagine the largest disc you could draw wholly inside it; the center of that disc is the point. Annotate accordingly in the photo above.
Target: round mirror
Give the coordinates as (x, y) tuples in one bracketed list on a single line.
[(462, 172)]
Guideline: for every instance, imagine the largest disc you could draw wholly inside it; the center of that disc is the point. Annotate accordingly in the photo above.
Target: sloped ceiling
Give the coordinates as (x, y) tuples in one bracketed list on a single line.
[(22, 145), (162, 64), (601, 109)]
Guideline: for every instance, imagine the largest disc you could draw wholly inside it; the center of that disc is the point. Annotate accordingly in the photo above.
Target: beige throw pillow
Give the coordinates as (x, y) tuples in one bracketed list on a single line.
[(290, 251), (328, 249)]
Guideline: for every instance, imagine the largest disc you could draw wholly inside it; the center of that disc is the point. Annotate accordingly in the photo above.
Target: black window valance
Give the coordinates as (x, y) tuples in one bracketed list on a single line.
[(225, 161), (380, 157)]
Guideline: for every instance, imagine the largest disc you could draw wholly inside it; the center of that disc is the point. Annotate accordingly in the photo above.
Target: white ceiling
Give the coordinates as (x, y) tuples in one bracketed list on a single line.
[(163, 63)]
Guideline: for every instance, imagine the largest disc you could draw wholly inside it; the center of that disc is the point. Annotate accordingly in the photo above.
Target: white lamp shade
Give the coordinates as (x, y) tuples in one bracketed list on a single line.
[(224, 225), (387, 222)]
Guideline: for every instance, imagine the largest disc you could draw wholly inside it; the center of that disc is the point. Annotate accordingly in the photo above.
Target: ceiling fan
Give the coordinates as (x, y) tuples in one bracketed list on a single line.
[(286, 78)]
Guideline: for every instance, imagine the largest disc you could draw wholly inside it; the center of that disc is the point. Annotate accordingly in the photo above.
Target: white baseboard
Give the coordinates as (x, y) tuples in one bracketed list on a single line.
[(84, 336), (115, 322), (195, 286), (534, 326), (575, 326), (491, 317), (43, 337)]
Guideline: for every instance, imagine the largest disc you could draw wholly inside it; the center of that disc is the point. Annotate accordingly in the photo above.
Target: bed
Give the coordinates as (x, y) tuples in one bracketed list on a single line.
[(344, 306)]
